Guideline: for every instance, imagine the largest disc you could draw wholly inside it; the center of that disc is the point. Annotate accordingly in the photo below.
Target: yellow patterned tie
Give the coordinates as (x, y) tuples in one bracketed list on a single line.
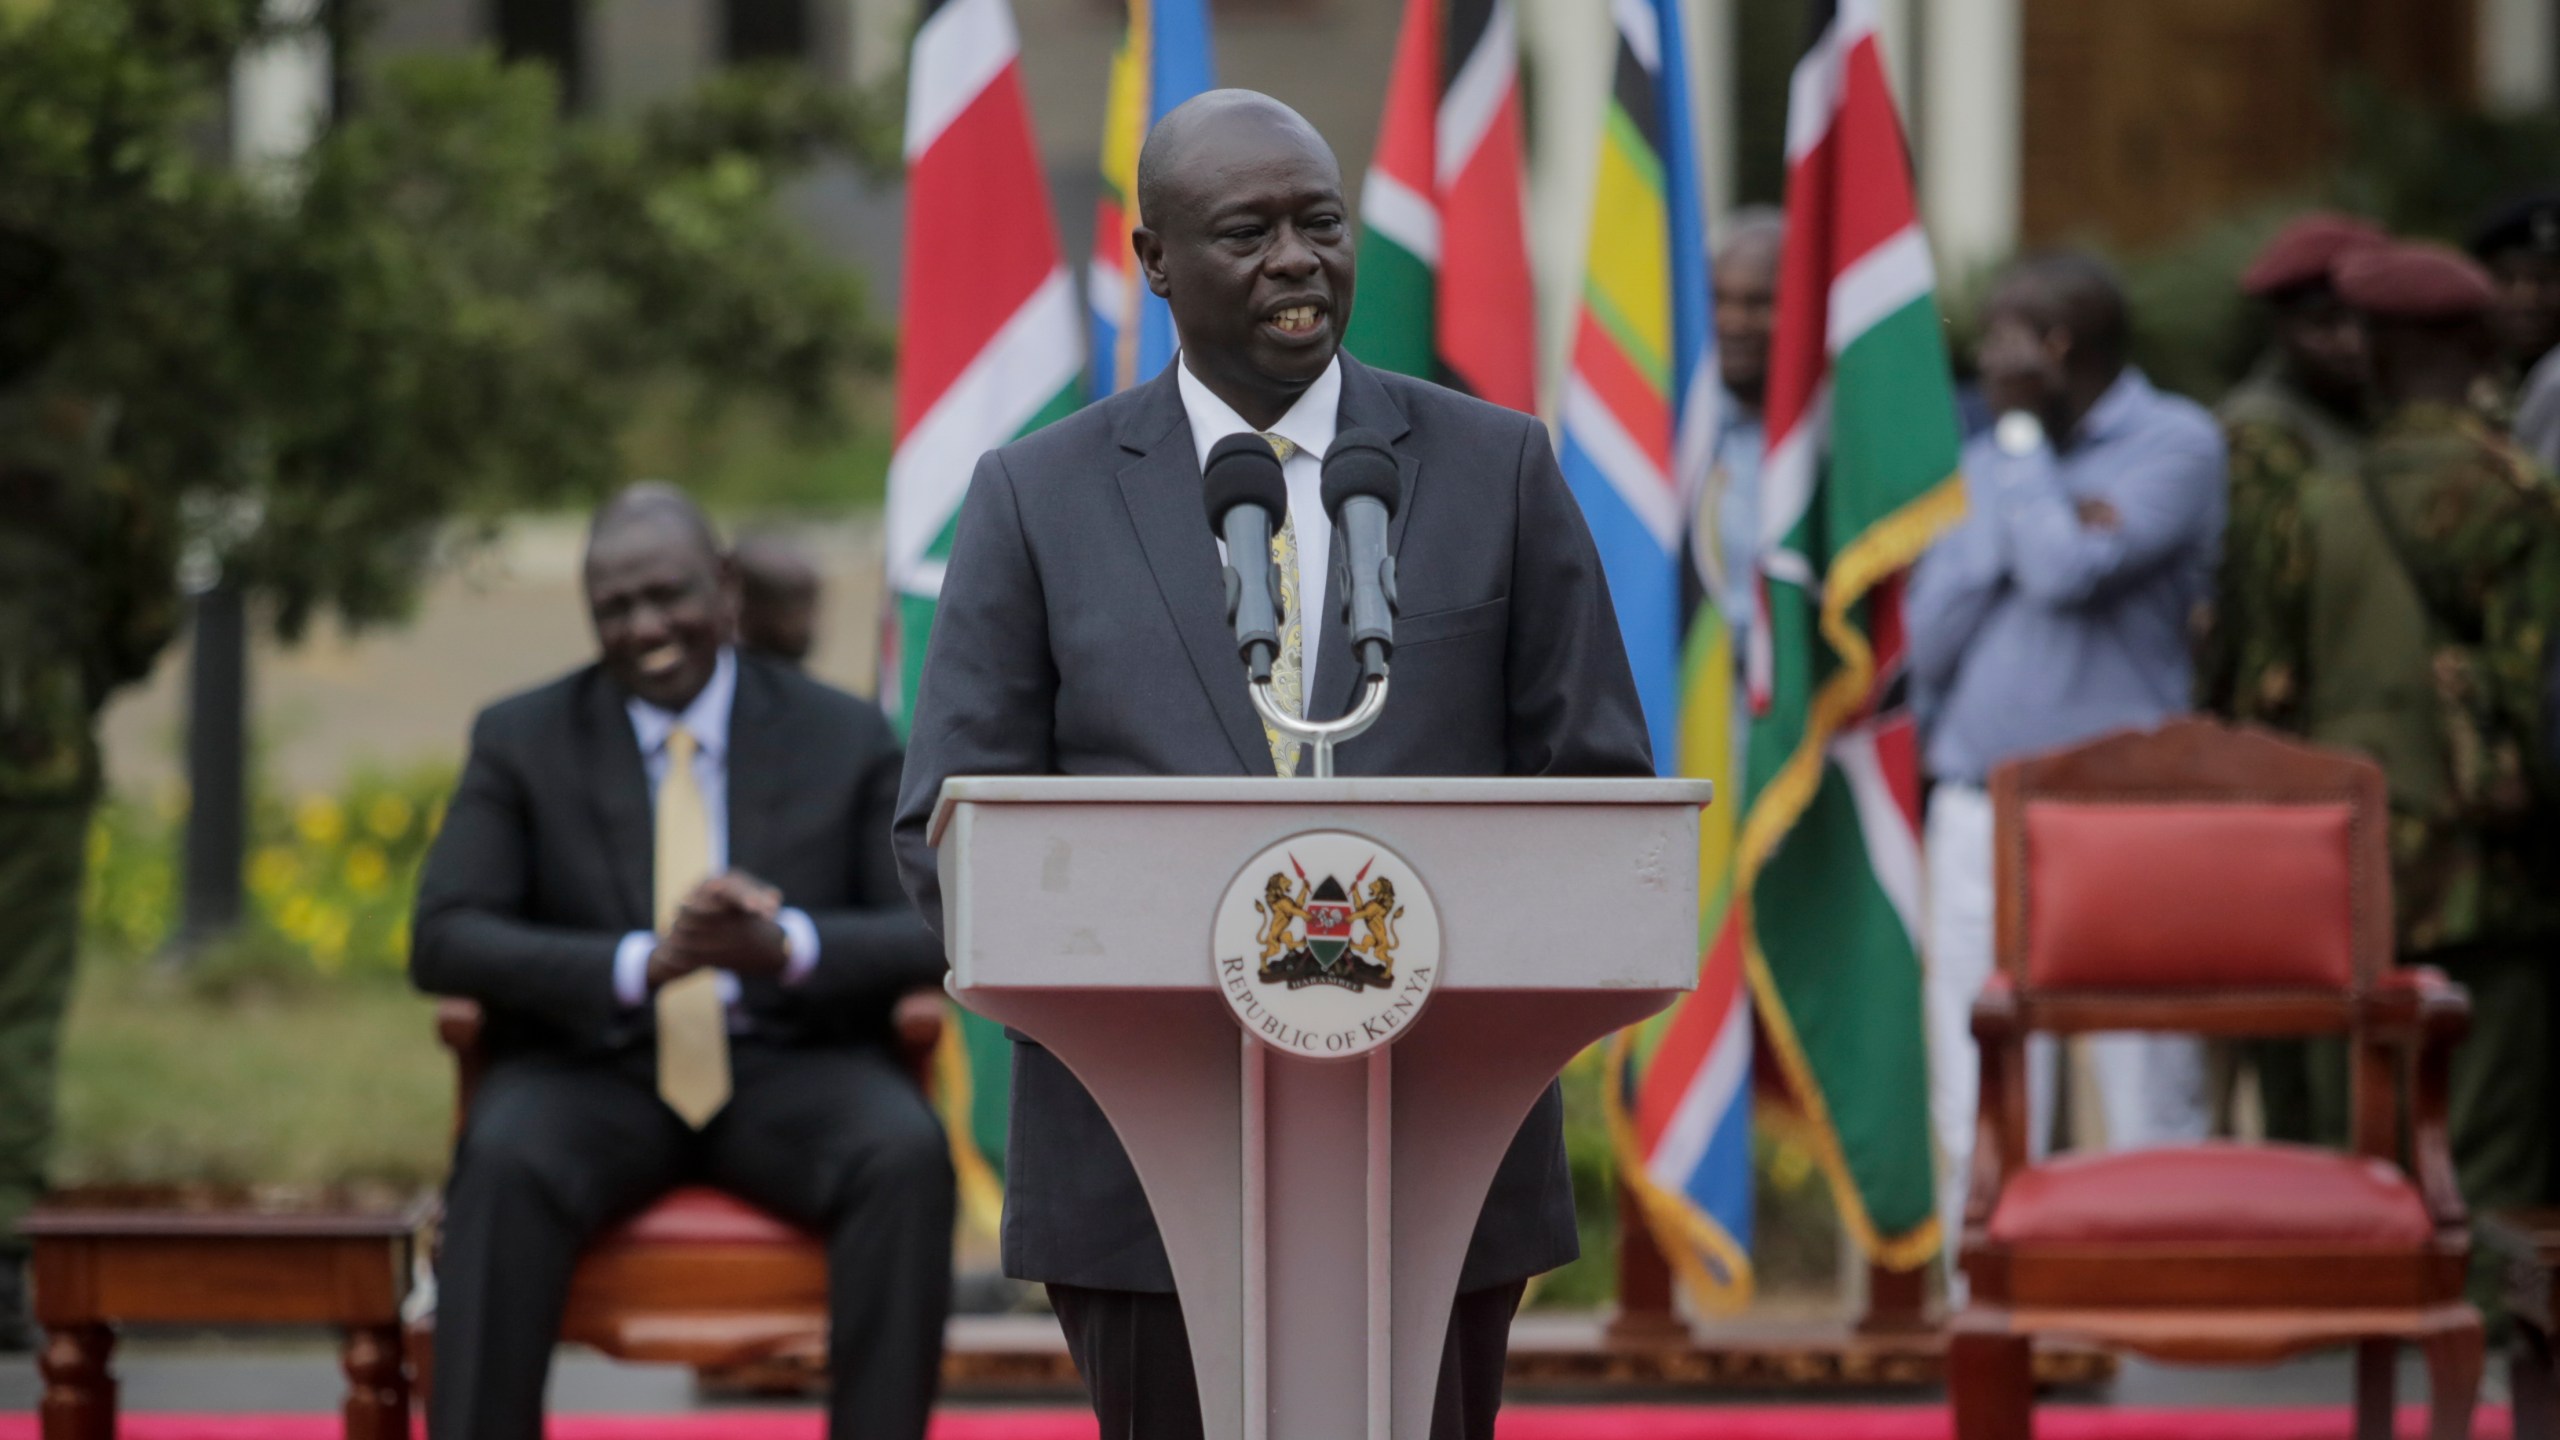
[(1288, 668), (693, 1030)]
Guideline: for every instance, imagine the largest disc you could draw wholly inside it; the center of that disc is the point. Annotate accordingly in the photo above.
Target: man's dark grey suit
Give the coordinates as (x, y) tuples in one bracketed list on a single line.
[(1082, 631), (542, 866)]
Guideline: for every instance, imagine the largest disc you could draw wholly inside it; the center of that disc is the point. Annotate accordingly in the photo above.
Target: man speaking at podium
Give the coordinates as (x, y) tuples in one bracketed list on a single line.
[(1082, 630)]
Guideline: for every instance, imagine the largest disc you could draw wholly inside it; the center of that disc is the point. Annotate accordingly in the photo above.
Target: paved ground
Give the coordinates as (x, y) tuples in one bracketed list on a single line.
[(508, 618), (300, 1374)]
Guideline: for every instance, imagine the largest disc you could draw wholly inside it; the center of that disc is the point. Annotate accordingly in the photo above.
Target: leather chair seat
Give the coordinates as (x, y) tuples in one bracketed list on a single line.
[(700, 1215), (2284, 1196)]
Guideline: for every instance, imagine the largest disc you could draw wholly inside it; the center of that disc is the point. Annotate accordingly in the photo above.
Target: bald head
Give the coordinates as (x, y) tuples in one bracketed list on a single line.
[(1755, 232), (1745, 275), (652, 503), (777, 599), (1209, 131), (1245, 236), (662, 597)]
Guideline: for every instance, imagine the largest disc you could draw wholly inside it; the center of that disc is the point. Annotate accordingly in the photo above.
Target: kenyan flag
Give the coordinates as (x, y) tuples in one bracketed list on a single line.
[(989, 348), (989, 341), (1444, 257), (1859, 478)]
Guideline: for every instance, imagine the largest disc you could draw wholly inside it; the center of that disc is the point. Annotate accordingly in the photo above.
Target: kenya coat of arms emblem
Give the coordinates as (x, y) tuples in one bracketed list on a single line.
[(1326, 932), (1327, 914)]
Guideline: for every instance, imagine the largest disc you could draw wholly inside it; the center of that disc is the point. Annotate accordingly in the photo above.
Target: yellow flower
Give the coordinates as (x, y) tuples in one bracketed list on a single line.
[(297, 917), (389, 815), (367, 870), (271, 871), (319, 819), (329, 940)]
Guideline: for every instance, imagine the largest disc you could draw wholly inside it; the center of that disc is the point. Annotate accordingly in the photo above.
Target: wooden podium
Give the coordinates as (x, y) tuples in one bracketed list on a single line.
[(1416, 959)]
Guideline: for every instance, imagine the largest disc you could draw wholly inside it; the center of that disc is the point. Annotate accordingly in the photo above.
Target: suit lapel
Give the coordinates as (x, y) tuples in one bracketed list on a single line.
[(1162, 489), (757, 761), (1365, 404), (618, 786), (753, 750)]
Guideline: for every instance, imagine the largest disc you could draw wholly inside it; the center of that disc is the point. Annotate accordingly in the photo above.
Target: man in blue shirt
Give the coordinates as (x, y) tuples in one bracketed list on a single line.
[(1746, 286), (2061, 609)]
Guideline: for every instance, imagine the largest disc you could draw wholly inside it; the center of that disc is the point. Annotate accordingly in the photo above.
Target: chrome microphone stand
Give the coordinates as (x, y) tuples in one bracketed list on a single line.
[(1322, 735)]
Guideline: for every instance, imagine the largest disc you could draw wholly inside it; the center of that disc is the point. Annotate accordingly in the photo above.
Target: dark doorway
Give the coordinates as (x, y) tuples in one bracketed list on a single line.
[(547, 31), (753, 31)]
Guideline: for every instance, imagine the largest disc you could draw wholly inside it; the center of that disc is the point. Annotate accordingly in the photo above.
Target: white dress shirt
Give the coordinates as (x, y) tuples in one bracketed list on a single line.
[(708, 720), (1309, 425)]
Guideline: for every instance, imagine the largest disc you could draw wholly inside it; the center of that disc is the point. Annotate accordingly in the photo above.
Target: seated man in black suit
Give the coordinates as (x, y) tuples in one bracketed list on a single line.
[(667, 878)]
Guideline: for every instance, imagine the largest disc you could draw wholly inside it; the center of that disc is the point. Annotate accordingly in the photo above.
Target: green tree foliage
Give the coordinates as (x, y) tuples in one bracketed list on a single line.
[(454, 305)]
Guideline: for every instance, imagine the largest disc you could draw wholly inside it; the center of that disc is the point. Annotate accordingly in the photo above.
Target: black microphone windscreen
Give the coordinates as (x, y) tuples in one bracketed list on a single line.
[(1242, 470), (1359, 463)]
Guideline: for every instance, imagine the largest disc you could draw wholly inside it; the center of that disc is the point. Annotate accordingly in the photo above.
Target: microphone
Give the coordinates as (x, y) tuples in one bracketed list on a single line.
[(1247, 501), (1361, 490)]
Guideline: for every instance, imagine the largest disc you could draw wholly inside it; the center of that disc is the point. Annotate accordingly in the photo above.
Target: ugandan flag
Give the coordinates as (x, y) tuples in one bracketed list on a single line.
[(1860, 476), (988, 350), (1444, 252)]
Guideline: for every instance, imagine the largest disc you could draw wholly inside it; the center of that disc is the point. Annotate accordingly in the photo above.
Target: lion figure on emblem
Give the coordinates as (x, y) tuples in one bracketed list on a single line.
[(1379, 914), (1280, 908)]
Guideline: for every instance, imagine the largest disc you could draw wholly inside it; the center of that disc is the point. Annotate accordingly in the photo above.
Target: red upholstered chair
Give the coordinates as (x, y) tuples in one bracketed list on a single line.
[(701, 1278), (2227, 882)]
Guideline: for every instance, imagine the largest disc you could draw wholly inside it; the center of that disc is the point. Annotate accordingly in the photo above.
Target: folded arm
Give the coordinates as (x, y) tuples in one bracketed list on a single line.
[(2163, 502)]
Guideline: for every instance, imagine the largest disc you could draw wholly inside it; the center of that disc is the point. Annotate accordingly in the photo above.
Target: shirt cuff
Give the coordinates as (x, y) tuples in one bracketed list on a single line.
[(800, 942), (631, 968)]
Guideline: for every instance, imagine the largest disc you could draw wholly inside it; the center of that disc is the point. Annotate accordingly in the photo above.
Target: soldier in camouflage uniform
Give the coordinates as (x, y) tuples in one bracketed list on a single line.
[(2300, 411), (86, 601), (2408, 606)]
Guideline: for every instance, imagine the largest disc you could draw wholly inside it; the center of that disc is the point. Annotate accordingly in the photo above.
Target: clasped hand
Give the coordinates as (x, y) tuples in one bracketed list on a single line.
[(727, 922)]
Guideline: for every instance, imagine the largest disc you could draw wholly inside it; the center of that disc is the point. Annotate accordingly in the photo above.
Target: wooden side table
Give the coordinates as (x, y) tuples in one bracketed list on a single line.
[(2529, 1242), (99, 1265)]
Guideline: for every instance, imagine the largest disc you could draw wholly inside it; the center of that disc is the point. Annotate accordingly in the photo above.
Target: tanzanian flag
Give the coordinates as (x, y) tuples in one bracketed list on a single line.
[(988, 351), (1640, 413), (1859, 478), (1444, 249), (1163, 60)]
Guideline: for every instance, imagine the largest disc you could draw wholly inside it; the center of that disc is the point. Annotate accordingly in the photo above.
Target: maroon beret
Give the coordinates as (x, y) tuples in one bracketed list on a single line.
[(2409, 280), (2305, 251)]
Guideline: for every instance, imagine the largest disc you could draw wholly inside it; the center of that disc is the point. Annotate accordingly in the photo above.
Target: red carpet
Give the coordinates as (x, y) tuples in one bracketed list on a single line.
[(1520, 1422)]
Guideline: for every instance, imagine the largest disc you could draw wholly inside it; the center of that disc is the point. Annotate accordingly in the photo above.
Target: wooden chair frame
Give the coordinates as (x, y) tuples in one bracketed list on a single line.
[(708, 1305), (2231, 1304)]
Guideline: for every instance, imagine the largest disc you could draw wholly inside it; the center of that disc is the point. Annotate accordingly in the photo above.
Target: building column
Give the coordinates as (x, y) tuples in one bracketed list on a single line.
[(1896, 31), (280, 93), (2519, 62), (1713, 63), (1572, 46), (1969, 150), (876, 37), (645, 51)]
